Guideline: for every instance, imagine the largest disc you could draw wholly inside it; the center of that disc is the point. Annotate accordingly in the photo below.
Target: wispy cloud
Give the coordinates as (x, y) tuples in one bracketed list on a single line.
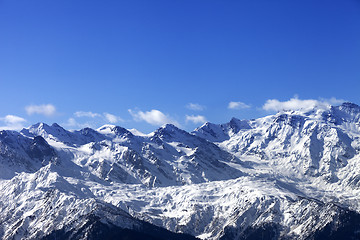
[(237, 105), (44, 109), (153, 117), (299, 104), (86, 114), (105, 117), (195, 119), (195, 107), (112, 118), (12, 122), (72, 123)]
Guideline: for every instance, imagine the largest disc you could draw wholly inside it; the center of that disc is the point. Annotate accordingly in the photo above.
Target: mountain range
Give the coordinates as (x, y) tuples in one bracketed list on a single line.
[(291, 175)]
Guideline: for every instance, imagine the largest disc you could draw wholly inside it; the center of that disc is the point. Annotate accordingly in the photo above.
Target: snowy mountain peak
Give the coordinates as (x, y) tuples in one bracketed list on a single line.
[(54, 133), (107, 128), (221, 132), (90, 135), (45, 130), (114, 130), (39, 127), (122, 131), (170, 127), (235, 125), (350, 107), (169, 131), (212, 132), (36, 129), (344, 113), (344, 110), (347, 108)]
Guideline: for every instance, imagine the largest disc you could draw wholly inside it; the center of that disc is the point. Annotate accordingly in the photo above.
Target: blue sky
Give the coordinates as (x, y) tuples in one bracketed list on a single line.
[(139, 64)]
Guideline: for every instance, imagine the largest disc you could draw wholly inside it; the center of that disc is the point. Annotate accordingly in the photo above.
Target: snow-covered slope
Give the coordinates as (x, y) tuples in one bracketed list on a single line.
[(168, 156), (292, 175), (319, 143)]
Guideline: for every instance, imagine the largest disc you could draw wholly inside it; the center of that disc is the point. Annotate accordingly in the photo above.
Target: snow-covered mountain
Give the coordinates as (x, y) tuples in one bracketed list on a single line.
[(292, 175)]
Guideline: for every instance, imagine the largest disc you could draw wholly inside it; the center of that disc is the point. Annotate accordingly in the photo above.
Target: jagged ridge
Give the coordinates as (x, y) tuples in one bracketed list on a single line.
[(292, 175)]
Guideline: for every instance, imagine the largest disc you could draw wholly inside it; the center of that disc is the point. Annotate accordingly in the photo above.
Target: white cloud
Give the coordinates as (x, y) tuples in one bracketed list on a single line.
[(238, 105), (299, 104), (12, 122), (12, 119), (153, 117), (72, 123), (195, 107), (107, 117), (195, 119), (112, 118), (45, 109), (86, 114)]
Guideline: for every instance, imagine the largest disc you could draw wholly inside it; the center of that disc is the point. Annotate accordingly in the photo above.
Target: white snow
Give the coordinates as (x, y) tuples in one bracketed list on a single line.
[(289, 168)]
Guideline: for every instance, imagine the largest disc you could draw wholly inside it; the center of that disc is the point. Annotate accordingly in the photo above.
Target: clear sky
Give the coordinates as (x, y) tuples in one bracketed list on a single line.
[(141, 63)]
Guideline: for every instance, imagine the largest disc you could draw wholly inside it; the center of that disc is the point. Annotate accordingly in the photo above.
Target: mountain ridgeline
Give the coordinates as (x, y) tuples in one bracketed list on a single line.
[(292, 175)]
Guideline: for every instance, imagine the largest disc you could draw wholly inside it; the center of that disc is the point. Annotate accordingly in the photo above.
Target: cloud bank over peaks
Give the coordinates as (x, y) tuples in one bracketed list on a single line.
[(153, 117), (299, 104), (44, 109), (12, 122), (238, 105)]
